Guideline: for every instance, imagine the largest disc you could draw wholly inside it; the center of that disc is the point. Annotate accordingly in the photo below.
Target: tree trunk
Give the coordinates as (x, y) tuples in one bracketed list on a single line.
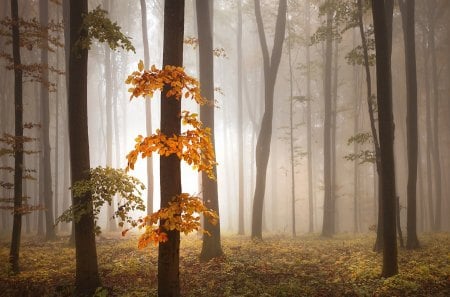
[(308, 122), (86, 275), (264, 138), (435, 148), (241, 229), (211, 247), (381, 16), (45, 130), (18, 149), (328, 210), (148, 108), (408, 23), (170, 175)]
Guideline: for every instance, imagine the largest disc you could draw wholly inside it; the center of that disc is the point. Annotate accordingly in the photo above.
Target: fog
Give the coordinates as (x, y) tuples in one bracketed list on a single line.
[(351, 116)]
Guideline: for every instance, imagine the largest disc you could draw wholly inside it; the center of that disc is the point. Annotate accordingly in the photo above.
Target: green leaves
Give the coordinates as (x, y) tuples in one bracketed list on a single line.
[(105, 183), (98, 26)]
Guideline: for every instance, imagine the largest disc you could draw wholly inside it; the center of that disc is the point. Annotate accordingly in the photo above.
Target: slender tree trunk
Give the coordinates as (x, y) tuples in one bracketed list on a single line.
[(265, 135), (211, 247), (241, 229), (170, 175), (381, 16), (408, 23), (308, 121), (291, 132), (18, 149), (45, 128), (148, 109), (436, 152), (334, 111), (86, 274), (328, 211)]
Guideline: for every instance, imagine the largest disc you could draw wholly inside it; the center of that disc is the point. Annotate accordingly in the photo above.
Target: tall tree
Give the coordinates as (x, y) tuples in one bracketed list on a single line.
[(18, 149), (381, 15), (328, 203), (211, 246), (271, 64), (148, 108), (308, 121), (170, 174), (432, 13), (86, 274), (241, 229), (46, 175), (408, 24)]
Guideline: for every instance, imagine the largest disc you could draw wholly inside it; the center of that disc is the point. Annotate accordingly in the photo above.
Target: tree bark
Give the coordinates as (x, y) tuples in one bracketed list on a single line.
[(264, 138), (386, 127), (86, 275), (408, 23), (328, 210), (18, 148), (45, 128), (211, 246), (170, 175)]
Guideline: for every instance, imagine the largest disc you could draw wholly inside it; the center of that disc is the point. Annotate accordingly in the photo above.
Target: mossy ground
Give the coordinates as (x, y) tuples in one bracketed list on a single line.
[(277, 266)]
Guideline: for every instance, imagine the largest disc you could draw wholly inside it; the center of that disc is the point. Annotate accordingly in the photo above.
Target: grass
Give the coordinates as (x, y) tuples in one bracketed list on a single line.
[(277, 266)]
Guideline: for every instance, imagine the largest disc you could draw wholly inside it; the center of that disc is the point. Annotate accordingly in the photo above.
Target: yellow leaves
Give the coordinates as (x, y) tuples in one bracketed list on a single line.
[(141, 65), (193, 146), (146, 82), (182, 214)]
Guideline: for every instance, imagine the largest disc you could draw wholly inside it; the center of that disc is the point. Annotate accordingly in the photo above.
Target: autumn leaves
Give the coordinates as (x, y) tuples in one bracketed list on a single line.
[(193, 146)]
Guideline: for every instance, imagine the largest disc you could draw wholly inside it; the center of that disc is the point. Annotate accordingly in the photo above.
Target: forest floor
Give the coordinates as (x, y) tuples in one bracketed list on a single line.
[(277, 266)]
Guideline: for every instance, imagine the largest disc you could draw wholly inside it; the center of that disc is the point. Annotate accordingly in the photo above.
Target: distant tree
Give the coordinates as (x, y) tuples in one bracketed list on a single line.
[(211, 247), (46, 175), (381, 15), (271, 64), (148, 110), (408, 25)]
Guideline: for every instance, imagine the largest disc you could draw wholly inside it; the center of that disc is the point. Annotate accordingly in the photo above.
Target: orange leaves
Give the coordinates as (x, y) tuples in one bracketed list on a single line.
[(146, 82), (182, 214), (193, 146)]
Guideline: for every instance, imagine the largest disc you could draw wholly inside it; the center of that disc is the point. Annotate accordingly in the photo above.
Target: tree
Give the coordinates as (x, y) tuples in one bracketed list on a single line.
[(271, 65), (18, 150), (381, 18), (86, 275), (328, 203), (241, 229), (408, 24), (211, 247), (46, 175), (148, 110), (84, 28)]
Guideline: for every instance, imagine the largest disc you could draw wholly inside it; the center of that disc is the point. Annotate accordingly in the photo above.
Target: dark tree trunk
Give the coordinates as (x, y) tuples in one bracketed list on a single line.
[(170, 175), (87, 277), (241, 229), (308, 122), (211, 247), (328, 209), (45, 131), (265, 135), (148, 109), (379, 239), (408, 23), (18, 149), (381, 17)]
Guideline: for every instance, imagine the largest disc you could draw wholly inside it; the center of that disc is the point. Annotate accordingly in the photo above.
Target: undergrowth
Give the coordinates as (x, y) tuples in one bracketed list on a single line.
[(277, 266)]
